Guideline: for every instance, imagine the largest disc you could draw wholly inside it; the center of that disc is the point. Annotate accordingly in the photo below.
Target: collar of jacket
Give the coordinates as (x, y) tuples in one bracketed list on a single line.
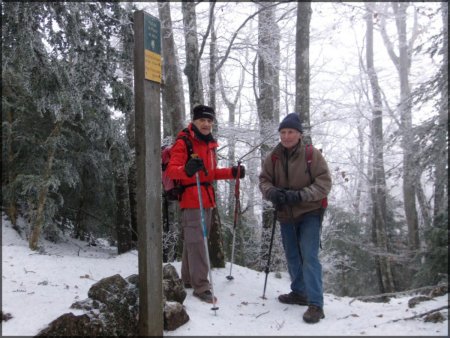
[(281, 151), (195, 133)]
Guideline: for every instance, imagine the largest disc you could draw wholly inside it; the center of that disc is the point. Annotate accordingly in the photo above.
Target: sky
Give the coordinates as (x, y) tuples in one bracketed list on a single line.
[(39, 287)]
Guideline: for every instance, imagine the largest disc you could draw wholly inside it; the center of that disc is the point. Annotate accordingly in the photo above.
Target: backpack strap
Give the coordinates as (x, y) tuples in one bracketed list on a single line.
[(274, 159), (188, 142), (309, 158)]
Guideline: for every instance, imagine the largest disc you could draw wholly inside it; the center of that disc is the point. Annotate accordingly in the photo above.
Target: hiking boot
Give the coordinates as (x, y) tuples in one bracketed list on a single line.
[(187, 286), (313, 314), (293, 298), (205, 296)]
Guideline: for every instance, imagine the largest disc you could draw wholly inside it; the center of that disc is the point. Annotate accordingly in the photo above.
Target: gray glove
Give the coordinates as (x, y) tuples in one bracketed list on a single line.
[(277, 196), (293, 197)]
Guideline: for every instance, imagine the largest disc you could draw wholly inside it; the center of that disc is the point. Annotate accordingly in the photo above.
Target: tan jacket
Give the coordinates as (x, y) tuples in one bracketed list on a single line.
[(288, 170)]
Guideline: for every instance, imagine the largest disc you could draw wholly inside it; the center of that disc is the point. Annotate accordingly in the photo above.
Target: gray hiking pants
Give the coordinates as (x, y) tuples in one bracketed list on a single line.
[(194, 265)]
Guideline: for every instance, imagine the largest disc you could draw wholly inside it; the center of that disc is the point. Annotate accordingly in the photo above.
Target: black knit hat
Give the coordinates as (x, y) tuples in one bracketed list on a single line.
[(203, 111), (291, 120)]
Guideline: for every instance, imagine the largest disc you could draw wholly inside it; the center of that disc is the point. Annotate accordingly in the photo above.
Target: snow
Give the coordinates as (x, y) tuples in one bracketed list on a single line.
[(39, 287)]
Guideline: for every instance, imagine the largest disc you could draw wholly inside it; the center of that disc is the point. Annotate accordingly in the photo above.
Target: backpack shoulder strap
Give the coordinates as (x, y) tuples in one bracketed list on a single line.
[(188, 142), (309, 158)]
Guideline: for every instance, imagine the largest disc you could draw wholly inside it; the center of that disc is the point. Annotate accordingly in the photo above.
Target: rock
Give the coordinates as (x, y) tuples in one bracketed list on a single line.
[(70, 325), (439, 290), (436, 317), (107, 289), (416, 300), (173, 287), (112, 308), (175, 315), (169, 272)]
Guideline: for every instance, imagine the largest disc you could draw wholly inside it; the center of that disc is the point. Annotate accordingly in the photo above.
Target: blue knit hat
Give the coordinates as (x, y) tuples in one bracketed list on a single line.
[(291, 120)]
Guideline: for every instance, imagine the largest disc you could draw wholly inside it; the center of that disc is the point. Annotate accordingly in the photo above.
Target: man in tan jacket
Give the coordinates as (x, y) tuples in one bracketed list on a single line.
[(297, 193)]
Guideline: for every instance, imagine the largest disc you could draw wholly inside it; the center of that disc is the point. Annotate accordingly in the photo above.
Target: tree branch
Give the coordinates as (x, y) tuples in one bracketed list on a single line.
[(224, 58), (422, 290), (419, 315)]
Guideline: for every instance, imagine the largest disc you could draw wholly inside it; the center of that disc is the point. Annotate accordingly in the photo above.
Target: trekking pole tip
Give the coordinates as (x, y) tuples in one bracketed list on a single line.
[(230, 277)]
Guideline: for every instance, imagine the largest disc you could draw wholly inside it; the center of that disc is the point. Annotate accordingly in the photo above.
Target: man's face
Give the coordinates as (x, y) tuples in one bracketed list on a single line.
[(204, 125), (289, 137)]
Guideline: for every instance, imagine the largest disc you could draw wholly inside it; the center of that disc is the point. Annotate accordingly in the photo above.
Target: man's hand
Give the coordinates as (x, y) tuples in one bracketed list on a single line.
[(293, 197), (277, 196), (234, 171), (193, 165)]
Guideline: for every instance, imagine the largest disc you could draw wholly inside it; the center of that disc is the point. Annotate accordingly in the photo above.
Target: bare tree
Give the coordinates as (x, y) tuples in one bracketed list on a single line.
[(302, 66), (402, 62), (192, 68), (378, 180), (193, 73), (172, 88), (268, 98)]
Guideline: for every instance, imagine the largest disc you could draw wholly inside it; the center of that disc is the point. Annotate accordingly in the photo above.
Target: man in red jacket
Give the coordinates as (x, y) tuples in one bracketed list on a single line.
[(194, 266)]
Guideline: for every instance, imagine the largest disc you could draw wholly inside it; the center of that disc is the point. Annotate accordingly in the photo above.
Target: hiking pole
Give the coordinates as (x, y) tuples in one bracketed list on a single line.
[(202, 214), (266, 270), (237, 210)]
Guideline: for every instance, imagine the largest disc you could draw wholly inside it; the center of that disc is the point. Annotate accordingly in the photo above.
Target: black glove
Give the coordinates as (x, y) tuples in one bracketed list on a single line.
[(193, 165), (234, 171), (293, 197), (277, 196)]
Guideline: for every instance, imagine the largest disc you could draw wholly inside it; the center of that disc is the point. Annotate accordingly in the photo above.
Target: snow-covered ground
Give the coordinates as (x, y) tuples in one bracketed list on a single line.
[(39, 287)]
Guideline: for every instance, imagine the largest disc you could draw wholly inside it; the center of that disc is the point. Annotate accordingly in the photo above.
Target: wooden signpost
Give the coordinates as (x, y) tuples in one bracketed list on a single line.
[(147, 79)]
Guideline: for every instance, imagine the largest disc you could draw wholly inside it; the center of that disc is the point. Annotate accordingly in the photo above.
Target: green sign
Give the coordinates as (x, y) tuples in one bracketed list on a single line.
[(152, 34), (152, 48)]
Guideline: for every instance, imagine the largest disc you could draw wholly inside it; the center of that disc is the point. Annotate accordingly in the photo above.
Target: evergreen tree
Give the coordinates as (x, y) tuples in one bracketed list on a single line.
[(58, 65)]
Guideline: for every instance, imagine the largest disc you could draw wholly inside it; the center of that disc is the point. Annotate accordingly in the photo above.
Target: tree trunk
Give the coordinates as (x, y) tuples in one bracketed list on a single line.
[(359, 187), (424, 205), (173, 107), (441, 174), (12, 203), (192, 68), (212, 59), (267, 104), (231, 106), (174, 116), (122, 220), (302, 67), (132, 197), (215, 242), (43, 191), (403, 64), (127, 41), (378, 181)]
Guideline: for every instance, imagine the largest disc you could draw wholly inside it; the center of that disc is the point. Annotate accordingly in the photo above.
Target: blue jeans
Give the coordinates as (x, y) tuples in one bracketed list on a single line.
[(301, 242)]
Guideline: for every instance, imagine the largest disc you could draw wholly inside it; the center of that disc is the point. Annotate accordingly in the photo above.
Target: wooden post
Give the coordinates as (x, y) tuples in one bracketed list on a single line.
[(148, 168)]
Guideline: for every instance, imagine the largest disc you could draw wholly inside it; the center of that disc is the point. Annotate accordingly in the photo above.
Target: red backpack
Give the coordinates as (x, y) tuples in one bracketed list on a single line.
[(309, 157), (172, 189)]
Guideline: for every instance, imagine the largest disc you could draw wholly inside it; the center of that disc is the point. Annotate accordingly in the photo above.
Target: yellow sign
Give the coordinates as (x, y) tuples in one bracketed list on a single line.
[(152, 46), (152, 66)]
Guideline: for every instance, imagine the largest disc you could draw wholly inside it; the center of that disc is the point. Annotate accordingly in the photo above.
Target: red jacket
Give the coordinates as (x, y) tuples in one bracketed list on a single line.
[(175, 170)]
